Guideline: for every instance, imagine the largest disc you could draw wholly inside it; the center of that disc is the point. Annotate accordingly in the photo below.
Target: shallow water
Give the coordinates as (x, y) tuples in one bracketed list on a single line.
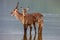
[(11, 29)]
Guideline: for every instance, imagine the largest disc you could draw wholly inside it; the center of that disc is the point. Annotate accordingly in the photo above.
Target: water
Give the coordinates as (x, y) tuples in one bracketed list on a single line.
[(11, 29)]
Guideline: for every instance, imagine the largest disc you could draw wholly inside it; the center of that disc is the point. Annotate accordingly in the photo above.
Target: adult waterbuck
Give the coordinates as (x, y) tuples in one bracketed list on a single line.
[(27, 20), (38, 18)]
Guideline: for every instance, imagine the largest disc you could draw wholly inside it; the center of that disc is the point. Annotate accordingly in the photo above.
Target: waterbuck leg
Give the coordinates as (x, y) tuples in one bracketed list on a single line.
[(34, 27), (40, 32), (25, 28), (34, 36), (30, 38), (39, 28), (30, 28)]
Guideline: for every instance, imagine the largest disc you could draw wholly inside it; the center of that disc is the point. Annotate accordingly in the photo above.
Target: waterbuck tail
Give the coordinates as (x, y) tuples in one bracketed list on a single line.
[(40, 24)]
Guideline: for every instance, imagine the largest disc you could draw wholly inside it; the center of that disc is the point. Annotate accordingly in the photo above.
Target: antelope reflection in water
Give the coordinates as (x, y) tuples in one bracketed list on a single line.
[(25, 37), (39, 36)]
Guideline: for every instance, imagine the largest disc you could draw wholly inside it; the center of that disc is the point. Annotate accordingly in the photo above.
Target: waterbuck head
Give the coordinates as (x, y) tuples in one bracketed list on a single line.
[(15, 10), (24, 10)]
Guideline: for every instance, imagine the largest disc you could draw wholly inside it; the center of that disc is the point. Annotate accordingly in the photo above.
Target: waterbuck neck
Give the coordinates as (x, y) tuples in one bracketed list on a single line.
[(19, 16)]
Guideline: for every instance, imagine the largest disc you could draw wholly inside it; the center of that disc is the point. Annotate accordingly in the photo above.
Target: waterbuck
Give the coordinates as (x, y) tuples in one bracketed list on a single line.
[(38, 19), (27, 20)]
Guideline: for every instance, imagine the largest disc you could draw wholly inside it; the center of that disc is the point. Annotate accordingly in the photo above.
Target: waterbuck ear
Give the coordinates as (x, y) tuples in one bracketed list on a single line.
[(28, 8), (21, 7)]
